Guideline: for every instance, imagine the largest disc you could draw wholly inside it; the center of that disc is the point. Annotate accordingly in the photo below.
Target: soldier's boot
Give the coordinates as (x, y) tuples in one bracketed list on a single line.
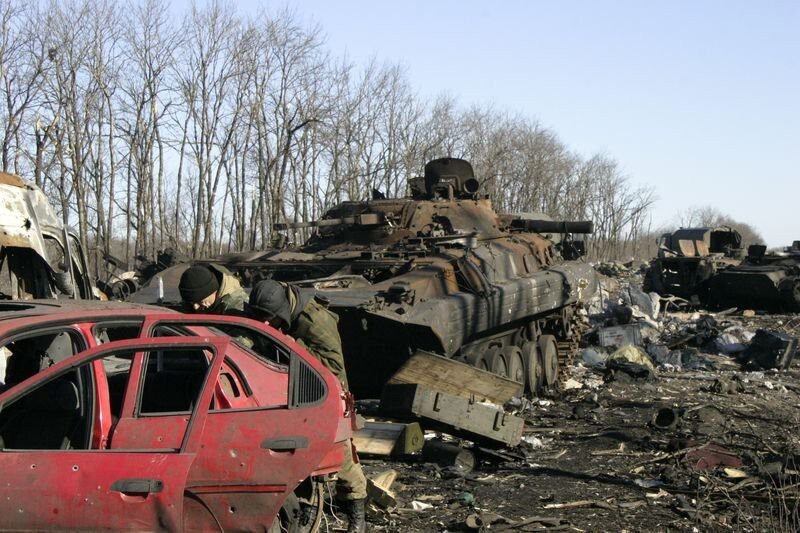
[(355, 510)]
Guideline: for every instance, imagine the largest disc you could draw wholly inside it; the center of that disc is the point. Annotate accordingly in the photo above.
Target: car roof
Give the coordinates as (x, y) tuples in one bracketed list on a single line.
[(16, 309)]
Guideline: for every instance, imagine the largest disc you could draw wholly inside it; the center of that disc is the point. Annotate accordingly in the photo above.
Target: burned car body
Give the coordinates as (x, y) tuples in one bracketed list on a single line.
[(38, 258), (125, 417), (439, 271), (689, 257), (769, 282)]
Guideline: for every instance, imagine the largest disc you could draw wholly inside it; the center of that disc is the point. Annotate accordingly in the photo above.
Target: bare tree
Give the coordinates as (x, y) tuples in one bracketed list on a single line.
[(206, 74), (23, 61), (145, 102), (203, 134)]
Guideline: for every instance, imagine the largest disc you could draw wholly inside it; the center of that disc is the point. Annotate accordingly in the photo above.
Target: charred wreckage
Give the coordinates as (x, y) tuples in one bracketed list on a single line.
[(439, 272), (449, 312)]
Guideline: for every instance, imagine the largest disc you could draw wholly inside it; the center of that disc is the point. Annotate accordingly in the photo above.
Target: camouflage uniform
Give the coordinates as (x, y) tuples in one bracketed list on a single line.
[(231, 297), (316, 329)]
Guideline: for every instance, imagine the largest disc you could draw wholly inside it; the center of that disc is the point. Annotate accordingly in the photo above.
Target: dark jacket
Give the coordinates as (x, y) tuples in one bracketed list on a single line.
[(315, 327)]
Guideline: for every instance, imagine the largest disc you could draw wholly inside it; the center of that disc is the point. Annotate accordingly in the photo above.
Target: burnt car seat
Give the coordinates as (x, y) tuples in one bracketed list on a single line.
[(46, 419)]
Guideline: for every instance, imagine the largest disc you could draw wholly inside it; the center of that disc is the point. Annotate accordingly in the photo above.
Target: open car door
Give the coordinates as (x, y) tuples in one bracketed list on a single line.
[(282, 420), (60, 471)]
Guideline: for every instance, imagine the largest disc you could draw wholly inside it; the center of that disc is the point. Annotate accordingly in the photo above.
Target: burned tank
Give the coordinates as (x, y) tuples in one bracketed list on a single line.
[(689, 257), (768, 282), (441, 272)]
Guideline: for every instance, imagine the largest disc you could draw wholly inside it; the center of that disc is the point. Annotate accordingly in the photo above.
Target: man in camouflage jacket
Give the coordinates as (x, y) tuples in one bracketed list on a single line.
[(211, 289), (302, 316)]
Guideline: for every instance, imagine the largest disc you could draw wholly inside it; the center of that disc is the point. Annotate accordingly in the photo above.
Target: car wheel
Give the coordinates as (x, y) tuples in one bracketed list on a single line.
[(288, 519)]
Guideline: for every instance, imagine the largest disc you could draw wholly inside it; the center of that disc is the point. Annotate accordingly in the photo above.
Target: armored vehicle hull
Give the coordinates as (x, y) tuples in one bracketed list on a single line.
[(440, 272), (763, 282), (497, 329)]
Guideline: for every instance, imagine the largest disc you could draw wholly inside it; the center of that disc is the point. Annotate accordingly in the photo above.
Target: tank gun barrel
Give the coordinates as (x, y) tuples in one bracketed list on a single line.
[(553, 226), (364, 219)]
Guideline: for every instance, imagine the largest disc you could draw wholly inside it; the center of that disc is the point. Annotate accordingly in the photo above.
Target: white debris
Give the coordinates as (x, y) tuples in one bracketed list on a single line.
[(420, 506), (534, 441)]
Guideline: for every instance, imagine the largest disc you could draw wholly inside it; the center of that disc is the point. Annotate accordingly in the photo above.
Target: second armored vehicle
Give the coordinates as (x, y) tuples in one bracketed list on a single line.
[(689, 257), (769, 282)]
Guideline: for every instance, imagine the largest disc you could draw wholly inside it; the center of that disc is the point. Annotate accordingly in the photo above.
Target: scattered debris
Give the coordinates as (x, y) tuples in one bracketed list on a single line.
[(379, 489), (420, 506), (448, 455), (733, 340), (626, 335)]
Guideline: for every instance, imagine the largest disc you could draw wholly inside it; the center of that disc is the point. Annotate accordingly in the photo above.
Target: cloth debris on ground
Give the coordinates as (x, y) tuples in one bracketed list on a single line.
[(733, 340), (622, 368)]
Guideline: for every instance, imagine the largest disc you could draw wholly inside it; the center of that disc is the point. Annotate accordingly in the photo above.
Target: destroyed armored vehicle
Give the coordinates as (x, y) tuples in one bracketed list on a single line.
[(689, 257), (768, 282), (38, 257), (437, 272)]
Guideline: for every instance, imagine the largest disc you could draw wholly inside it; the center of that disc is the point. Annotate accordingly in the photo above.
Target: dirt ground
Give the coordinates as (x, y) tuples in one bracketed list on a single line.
[(594, 459)]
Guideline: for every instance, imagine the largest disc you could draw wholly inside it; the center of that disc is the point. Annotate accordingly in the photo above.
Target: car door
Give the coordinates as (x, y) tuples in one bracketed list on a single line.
[(56, 476), (260, 454)]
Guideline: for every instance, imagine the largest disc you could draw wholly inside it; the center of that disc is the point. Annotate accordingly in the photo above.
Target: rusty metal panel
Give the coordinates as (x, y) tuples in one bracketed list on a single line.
[(688, 248)]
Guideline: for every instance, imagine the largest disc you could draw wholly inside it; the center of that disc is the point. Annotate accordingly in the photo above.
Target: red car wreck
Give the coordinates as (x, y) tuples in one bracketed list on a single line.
[(128, 417)]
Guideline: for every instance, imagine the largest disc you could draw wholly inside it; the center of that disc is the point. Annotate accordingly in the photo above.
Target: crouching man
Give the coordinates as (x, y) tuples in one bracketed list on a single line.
[(211, 289), (302, 316)]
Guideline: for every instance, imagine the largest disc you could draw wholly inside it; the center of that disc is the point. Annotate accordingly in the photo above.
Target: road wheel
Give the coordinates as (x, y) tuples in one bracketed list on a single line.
[(534, 377), (515, 365), (549, 351), (480, 360), (496, 362)]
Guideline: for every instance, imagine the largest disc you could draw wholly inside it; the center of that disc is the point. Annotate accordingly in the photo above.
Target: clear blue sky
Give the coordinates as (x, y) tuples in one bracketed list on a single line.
[(698, 99)]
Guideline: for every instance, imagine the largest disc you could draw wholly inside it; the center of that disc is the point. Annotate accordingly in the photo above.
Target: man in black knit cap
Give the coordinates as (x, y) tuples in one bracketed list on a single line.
[(304, 317), (211, 289)]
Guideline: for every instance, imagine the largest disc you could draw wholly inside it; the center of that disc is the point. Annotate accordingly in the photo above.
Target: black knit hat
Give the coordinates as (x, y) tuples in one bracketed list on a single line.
[(197, 283), (268, 299)]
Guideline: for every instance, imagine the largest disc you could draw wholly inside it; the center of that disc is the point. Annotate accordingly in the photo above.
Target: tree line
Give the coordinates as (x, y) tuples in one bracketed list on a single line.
[(201, 132)]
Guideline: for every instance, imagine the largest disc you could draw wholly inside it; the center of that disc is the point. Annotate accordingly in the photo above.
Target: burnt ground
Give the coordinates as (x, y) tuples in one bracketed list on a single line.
[(592, 460)]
